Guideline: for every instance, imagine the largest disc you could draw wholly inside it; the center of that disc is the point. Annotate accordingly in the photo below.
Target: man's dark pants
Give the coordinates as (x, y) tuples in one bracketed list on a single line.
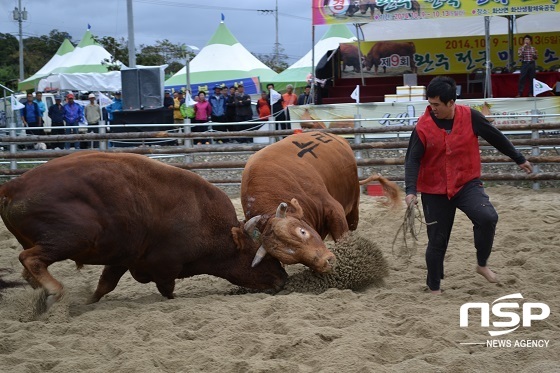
[(528, 72), (439, 213)]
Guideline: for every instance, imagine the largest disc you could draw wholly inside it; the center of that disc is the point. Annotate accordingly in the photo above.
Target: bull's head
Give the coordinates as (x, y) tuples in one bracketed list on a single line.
[(290, 239)]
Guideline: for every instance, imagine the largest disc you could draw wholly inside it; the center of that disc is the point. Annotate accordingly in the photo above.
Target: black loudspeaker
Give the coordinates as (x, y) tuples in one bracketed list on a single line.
[(151, 87), (130, 89), (142, 88)]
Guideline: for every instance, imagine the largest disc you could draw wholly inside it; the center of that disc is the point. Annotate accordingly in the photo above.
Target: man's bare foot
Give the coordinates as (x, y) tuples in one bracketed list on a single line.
[(436, 292), (487, 273)]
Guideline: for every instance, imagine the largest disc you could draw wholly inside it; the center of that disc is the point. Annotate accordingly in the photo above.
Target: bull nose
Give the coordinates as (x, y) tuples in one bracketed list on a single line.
[(328, 264)]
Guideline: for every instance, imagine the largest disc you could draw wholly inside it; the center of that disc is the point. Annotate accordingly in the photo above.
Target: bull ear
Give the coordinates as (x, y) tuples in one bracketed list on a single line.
[(250, 227), (281, 210), (298, 210), (237, 234)]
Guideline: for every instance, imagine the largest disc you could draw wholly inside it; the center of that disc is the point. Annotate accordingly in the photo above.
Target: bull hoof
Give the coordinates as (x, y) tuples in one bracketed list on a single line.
[(52, 299)]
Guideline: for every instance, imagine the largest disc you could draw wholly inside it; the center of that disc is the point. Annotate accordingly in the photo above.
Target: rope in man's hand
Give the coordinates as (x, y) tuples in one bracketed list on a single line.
[(412, 222)]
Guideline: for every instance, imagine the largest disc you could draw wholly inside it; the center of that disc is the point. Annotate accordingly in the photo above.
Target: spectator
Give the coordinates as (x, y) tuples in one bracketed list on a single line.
[(218, 104), (243, 110), (202, 113), (230, 106), (93, 116), (177, 102), (168, 100), (73, 115), (31, 117), (116, 105), (289, 98), (56, 113), (187, 108), (277, 109), (41, 103), (305, 97), (263, 107)]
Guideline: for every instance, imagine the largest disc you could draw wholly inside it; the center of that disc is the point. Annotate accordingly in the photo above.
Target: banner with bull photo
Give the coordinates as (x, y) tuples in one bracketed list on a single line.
[(441, 55), (380, 114), (360, 11)]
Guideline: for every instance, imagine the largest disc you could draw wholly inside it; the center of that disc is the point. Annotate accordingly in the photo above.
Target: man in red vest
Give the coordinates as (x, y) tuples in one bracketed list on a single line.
[(443, 163)]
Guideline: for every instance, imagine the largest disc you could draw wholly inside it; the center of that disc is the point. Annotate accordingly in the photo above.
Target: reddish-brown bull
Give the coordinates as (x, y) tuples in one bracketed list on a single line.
[(385, 49), (311, 181), (350, 57), (129, 213)]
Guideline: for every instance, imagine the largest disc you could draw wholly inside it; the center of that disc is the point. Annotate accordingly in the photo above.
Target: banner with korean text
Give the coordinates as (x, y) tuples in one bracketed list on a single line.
[(380, 114), (445, 55), (360, 11)]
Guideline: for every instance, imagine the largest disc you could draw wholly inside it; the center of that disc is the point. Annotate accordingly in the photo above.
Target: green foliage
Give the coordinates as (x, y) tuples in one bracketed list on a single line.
[(118, 48), (277, 64)]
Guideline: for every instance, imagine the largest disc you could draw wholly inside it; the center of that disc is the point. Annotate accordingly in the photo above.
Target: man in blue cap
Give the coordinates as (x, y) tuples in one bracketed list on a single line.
[(115, 106)]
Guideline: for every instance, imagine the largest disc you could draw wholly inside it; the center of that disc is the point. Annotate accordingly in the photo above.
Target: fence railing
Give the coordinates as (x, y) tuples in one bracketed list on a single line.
[(21, 160)]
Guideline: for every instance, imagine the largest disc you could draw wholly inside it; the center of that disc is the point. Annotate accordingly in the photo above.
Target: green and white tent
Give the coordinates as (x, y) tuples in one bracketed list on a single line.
[(83, 69), (222, 59), (65, 48), (297, 73)]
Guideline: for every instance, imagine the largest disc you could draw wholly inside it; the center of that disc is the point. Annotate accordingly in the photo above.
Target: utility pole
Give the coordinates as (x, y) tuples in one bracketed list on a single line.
[(20, 16), (276, 43), (131, 47)]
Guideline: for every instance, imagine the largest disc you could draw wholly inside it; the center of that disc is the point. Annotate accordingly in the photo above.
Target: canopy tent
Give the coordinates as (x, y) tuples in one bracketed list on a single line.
[(222, 59), (297, 73), (85, 68), (88, 57), (65, 48), (107, 82)]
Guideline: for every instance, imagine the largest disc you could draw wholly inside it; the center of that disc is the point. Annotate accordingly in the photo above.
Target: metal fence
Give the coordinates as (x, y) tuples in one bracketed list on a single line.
[(539, 142)]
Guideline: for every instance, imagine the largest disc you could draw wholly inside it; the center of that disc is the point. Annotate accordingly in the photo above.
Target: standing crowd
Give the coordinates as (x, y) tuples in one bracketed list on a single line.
[(68, 118)]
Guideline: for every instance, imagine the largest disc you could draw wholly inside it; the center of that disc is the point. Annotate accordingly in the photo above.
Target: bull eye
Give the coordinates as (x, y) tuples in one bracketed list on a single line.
[(303, 232)]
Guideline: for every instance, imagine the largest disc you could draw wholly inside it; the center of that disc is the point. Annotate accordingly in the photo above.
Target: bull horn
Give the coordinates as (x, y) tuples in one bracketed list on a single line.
[(261, 253), (281, 210), (250, 227)]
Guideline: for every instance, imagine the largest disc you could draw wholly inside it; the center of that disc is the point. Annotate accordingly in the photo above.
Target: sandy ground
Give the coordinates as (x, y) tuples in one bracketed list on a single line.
[(395, 327)]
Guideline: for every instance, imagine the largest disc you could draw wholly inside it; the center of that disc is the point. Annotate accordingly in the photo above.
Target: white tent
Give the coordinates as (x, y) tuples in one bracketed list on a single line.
[(85, 68), (222, 59), (297, 73), (110, 81)]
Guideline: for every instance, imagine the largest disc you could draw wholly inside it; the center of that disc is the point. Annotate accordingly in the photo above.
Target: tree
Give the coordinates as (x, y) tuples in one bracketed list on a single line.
[(116, 47), (9, 46), (277, 64), (38, 50), (163, 52)]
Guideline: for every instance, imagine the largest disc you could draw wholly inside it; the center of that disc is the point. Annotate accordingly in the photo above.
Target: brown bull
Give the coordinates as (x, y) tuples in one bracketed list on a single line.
[(300, 189), (129, 213), (350, 57), (385, 49)]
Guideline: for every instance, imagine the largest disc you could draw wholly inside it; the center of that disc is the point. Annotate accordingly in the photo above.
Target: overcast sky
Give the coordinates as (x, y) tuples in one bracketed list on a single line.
[(180, 21)]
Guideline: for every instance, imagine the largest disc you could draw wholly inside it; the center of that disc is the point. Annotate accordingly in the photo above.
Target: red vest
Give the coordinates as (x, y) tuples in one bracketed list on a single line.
[(450, 160)]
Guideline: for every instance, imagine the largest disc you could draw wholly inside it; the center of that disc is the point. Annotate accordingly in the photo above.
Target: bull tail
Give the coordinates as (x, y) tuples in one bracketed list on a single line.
[(390, 189)]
